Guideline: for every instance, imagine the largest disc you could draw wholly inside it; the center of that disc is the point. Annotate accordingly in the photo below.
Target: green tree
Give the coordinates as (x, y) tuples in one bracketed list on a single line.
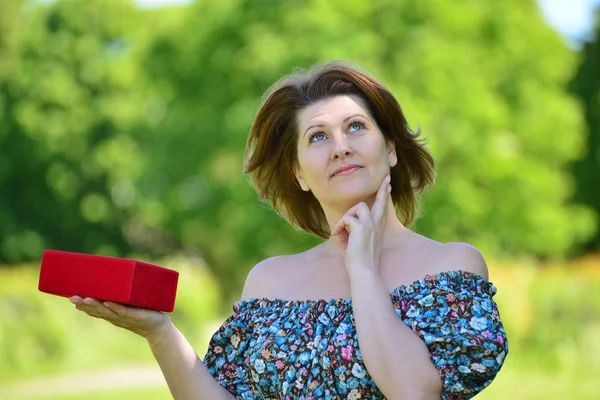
[(123, 130), (586, 85), (67, 107), (9, 24), (485, 81)]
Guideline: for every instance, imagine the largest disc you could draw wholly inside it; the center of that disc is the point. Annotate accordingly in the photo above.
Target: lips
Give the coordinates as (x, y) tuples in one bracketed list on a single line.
[(346, 170)]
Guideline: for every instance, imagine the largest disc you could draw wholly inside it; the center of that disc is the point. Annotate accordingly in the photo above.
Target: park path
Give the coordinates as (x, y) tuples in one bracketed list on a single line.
[(72, 384)]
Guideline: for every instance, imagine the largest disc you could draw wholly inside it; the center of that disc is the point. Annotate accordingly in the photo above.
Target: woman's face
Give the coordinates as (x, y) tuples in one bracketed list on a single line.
[(339, 132)]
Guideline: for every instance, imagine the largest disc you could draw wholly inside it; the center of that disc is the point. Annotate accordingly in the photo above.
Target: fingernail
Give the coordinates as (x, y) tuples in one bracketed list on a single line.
[(74, 300), (388, 178)]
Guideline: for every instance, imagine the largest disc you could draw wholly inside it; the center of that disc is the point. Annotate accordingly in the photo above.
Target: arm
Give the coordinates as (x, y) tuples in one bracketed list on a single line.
[(449, 361), (462, 360), (188, 376), (396, 358), (185, 373)]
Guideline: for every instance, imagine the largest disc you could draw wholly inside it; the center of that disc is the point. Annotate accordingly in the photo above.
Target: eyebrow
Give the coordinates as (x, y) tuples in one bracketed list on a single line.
[(346, 119)]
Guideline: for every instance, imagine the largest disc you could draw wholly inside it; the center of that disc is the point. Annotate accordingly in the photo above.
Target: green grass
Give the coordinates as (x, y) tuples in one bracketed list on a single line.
[(551, 316), (42, 334), (510, 383), (144, 394), (531, 385)]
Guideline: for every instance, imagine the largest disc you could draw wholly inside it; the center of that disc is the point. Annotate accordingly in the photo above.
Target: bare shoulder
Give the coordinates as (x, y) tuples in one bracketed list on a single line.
[(463, 256), (265, 276)]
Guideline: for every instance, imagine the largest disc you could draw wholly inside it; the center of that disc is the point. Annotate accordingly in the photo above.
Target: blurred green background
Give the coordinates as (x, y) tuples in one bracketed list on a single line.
[(122, 131)]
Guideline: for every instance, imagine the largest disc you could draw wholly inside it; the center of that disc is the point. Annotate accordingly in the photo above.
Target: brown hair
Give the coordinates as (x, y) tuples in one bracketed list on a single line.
[(271, 150)]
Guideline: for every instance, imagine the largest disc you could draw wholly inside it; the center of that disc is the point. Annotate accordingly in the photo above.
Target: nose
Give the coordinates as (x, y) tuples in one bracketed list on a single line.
[(341, 148)]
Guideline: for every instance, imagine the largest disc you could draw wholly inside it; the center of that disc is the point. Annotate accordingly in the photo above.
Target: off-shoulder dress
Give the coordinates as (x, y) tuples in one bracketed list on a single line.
[(291, 349)]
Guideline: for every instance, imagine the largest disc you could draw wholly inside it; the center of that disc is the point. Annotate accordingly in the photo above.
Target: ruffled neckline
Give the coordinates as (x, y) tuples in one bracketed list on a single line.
[(454, 278)]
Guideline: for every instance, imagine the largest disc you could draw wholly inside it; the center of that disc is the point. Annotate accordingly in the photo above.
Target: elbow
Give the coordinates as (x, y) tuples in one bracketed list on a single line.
[(419, 395), (426, 389), (429, 391)]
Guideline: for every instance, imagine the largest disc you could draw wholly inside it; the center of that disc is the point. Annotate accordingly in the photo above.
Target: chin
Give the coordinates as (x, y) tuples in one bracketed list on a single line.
[(353, 191)]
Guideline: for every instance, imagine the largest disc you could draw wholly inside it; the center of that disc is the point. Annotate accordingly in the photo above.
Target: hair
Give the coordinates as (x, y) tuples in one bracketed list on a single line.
[(271, 150)]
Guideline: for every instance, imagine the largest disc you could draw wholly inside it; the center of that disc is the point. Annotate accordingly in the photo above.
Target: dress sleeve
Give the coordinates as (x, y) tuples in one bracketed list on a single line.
[(226, 358), (461, 327)]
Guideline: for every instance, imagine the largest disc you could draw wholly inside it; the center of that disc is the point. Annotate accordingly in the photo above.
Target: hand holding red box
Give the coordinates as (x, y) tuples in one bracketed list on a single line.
[(119, 280)]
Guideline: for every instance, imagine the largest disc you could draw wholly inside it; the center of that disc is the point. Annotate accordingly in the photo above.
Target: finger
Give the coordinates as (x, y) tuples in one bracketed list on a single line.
[(364, 213), (337, 228), (340, 225), (352, 212), (88, 310), (120, 309), (381, 201), (346, 223), (96, 309), (342, 239)]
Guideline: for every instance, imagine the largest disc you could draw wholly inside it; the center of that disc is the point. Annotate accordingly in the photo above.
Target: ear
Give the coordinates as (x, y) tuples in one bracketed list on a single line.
[(392, 157), (301, 180)]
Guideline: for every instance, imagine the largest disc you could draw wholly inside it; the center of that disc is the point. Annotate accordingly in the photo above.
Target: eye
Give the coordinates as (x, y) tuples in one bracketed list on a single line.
[(315, 137), (356, 126)]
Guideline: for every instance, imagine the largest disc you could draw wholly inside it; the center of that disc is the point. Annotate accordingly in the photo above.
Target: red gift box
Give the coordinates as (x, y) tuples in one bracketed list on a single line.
[(120, 280)]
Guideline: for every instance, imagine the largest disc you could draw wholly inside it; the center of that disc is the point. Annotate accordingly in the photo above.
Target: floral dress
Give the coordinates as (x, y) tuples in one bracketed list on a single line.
[(282, 349)]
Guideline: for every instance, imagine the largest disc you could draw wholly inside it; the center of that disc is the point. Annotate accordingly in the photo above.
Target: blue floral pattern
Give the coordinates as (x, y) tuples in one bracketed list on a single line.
[(281, 349)]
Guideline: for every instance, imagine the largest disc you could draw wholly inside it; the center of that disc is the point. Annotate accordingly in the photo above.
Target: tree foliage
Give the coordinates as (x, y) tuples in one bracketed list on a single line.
[(123, 130), (586, 85), (69, 105)]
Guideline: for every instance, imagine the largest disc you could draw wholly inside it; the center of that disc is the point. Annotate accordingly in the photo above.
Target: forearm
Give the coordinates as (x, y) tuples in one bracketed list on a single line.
[(396, 358), (185, 373)]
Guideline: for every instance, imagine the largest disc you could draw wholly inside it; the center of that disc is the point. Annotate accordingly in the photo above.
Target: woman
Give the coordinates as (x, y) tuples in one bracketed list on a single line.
[(376, 310)]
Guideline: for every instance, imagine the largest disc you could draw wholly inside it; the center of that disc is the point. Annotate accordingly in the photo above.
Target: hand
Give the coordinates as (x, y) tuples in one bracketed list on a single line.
[(147, 323), (359, 232)]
